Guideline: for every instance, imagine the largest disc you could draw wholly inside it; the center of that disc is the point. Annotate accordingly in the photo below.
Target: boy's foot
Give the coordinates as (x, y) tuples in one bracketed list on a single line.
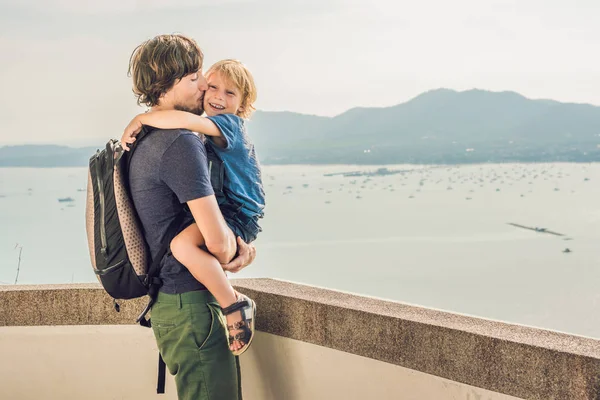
[(233, 320), (241, 316)]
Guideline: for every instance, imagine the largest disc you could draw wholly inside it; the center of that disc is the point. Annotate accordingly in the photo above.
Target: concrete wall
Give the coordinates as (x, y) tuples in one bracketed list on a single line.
[(91, 362), (119, 362), (281, 368), (314, 344)]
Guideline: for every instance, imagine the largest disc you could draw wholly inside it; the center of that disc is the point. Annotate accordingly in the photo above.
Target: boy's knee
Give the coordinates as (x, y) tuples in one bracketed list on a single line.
[(176, 246)]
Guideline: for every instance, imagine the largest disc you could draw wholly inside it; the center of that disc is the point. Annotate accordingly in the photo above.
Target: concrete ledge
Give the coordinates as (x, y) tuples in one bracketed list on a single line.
[(511, 359), (69, 304)]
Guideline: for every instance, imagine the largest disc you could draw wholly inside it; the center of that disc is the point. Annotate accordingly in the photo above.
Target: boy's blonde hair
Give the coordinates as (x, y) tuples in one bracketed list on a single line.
[(240, 76)]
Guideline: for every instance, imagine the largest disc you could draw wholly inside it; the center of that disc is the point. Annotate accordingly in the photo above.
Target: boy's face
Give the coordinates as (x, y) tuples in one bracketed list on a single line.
[(222, 96), (187, 93)]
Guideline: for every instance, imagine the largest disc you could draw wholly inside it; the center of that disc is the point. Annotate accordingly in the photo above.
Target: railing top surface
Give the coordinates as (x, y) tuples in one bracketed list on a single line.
[(539, 337), (533, 336)]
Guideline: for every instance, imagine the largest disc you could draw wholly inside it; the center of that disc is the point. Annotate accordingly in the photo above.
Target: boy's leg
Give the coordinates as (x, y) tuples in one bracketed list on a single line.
[(193, 344), (203, 266), (207, 270)]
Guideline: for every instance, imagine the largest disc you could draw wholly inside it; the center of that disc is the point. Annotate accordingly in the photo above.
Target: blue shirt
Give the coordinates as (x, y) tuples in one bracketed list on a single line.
[(243, 182), (168, 169)]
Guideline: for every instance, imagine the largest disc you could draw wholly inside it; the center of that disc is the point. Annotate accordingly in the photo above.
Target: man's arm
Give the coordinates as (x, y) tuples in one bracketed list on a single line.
[(213, 227)]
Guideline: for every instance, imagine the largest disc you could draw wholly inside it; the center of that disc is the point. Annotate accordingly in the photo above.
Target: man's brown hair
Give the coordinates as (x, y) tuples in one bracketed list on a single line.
[(157, 64)]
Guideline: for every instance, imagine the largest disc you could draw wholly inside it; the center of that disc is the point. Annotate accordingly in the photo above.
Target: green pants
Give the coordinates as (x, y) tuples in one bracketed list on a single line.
[(192, 340)]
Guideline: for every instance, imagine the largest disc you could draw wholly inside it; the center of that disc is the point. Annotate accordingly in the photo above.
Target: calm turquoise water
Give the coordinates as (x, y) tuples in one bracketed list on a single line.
[(434, 236)]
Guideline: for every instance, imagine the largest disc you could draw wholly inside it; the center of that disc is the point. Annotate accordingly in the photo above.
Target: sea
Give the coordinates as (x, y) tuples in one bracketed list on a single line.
[(513, 242)]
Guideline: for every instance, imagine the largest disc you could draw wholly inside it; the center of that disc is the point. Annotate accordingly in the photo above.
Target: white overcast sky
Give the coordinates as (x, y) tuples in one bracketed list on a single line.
[(63, 63)]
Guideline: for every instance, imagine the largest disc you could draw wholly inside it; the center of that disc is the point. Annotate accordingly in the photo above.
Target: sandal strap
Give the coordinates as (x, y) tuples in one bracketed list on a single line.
[(235, 307), (236, 325), (242, 336)]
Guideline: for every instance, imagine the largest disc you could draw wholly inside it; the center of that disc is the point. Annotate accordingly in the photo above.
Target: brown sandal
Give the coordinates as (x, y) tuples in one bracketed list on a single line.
[(247, 309)]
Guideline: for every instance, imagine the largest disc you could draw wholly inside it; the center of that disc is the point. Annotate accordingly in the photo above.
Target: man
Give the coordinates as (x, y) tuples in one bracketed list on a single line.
[(169, 169)]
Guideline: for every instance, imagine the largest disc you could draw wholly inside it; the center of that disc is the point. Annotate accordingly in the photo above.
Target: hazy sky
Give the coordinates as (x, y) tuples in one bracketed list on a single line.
[(63, 63)]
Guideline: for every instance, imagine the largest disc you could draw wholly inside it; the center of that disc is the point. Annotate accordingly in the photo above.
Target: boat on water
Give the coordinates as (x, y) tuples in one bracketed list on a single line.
[(65, 199), (536, 229)]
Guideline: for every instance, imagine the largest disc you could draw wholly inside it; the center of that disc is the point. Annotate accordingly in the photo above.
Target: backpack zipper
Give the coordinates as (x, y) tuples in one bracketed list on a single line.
[(102, 206), (107, 270)]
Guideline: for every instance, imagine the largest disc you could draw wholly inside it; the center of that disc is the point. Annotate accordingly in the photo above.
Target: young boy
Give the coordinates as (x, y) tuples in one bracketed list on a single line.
[(227, 102)]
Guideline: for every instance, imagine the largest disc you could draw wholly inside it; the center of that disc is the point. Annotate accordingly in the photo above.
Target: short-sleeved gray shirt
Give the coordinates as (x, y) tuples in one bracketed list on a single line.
[(168, 169)]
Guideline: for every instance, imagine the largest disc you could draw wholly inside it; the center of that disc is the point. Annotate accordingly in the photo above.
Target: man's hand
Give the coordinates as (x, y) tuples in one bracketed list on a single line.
[(134, 127), (246, 254)]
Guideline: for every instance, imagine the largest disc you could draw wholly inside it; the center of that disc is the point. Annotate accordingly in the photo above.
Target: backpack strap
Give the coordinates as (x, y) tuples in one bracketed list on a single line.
[(160, 385), (154, 284), (153, 281), (146, 130)]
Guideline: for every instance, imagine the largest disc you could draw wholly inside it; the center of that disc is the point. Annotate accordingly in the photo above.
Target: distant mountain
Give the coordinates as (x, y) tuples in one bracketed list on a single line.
[(44, 156), (439, 126)]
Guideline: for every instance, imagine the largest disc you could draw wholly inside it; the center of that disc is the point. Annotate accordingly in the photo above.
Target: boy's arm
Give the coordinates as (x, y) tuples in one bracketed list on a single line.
[(169, 119), (173, 119)]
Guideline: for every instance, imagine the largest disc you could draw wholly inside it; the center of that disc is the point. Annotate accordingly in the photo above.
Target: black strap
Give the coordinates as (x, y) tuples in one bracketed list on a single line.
[(143, 133), (146, 323), (160, 385), (235, 306), (239, 377), (154, 282), (172, 230)]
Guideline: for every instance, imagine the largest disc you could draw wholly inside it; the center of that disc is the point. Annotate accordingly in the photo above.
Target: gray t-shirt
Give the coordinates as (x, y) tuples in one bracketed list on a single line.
[(168, 169)]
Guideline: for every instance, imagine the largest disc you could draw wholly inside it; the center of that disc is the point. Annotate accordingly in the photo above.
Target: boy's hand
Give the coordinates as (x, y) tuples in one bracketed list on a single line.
[(134, 127), (246, 254)]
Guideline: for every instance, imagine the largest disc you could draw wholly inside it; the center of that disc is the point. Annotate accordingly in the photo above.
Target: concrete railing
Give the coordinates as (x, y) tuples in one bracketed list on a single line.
[(67, 342)]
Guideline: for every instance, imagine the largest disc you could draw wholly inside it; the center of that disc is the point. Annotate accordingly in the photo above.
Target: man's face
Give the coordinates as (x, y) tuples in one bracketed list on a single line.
[(187, 94)]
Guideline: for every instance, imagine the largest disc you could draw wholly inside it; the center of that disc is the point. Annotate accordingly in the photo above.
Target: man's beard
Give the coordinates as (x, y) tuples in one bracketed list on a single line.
[(198, 109)]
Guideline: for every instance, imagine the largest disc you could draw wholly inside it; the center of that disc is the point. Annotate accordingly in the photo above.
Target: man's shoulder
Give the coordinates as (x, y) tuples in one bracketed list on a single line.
[(158, 141), (178, 131), (168, 136)]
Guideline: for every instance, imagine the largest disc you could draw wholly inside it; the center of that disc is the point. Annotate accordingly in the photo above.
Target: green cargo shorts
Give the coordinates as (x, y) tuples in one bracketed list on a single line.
[(191, 338)]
